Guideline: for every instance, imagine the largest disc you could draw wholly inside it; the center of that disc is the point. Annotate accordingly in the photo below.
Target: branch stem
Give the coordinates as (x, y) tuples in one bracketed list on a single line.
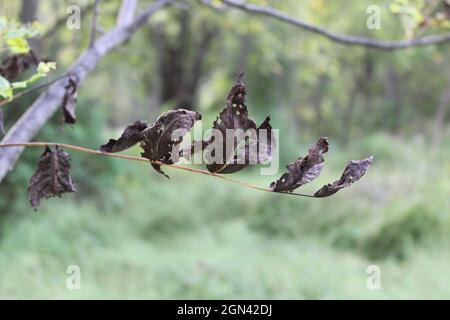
[(32, 89), (140, 159), (336, 37)]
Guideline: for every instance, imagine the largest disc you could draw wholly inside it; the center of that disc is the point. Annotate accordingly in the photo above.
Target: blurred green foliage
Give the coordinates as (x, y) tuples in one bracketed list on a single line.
[(397, 238), (136, 234)]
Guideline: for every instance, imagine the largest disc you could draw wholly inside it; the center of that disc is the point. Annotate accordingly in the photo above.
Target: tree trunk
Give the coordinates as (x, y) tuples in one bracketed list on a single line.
[(316, 102), (28, 14), (393, 96), (179, 63), (441, 114), (361, 84), (28, 11)]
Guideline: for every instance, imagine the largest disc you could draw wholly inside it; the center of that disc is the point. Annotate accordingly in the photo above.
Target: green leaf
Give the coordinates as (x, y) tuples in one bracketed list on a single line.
[(5, 89), (46, 67), (18, 45), (395, 8), (42, 70)]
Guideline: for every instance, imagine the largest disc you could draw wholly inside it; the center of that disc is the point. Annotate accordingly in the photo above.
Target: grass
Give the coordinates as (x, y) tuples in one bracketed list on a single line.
[(198, 237)]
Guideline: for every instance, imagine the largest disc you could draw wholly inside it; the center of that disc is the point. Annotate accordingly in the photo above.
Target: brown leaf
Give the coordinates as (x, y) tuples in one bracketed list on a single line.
[(131, 135), (354, 170), (52, 176), (302, 170), (158, 144), (13, 66), (235, 117), (253, 152), (265, 149), (70, 101), (238, 93)]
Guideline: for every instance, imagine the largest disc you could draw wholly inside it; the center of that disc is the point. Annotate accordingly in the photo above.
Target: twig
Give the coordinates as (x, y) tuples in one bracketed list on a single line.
[(30, 90), (140, 159), (35, 117), (340, 38)]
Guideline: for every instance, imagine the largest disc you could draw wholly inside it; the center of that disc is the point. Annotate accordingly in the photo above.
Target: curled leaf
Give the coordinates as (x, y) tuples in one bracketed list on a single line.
[(12, 66), (267, 146), (165, 134), (303, 170), (236, 128), (52, 176), (354, 170), (130, 136), (70, 101)]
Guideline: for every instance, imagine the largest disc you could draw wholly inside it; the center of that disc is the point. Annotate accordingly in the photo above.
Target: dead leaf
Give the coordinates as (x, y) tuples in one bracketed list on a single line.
[(13, 66), (354, 170), (70, 101), (247, 148), (130, 136), (303, 170), (52, 176), (158, 142)]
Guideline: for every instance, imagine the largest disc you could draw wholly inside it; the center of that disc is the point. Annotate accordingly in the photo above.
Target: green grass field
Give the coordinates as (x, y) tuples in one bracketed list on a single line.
[(198, 237)]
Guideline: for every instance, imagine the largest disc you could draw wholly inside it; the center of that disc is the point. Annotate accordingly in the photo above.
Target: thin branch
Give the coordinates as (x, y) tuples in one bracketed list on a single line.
[(32, 89), (126, 12), (48, 102), (94, 27), (140, 159), (340, 38)]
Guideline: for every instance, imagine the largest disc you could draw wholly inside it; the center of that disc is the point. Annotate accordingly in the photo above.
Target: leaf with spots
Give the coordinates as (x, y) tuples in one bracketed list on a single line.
[(165, 135), (243, 143), (52, 176), (303, 170), (354, 170)]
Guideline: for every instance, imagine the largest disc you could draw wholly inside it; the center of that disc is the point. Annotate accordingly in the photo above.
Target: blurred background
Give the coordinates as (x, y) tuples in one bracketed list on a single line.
[(135, 234)]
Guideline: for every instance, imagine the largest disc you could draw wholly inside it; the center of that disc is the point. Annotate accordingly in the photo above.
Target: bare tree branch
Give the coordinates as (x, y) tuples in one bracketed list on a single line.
[(126, 12), (340, 38), (47, 103), (30, 90), (94, 23)]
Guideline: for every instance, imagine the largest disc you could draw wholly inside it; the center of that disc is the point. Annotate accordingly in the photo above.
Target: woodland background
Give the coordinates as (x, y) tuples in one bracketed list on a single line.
[(136, 234)]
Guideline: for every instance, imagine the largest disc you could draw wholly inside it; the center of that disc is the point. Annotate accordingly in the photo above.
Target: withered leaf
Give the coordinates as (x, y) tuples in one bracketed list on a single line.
[(130, 136), (238, 93), (246, 149), (70, 101), (52, 176), (12, 66), (158, 142), (254, 150), (265, 148), (303, 170), (354, 170)]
